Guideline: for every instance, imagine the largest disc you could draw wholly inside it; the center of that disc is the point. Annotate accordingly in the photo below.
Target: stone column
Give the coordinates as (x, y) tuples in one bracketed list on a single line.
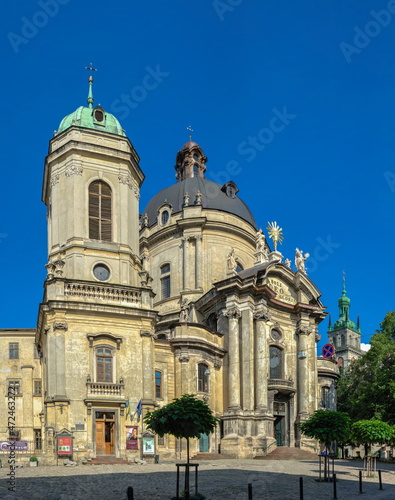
[(303, 331), (185, 263), (261, 362), (148, 365), (247, 359), (27, 401), (198, 262), (233, 316)]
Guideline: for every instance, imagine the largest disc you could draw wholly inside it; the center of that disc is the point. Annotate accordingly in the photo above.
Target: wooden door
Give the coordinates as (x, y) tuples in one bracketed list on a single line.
[(100, 438), (109, 438)]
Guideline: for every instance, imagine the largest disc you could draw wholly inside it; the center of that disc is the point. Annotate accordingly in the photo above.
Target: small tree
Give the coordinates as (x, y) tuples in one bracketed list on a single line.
[(327, 426), (186, 417), (368, 432)]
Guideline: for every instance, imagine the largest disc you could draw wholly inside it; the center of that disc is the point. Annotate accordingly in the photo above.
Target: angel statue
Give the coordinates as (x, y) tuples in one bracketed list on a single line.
[(300, 259)]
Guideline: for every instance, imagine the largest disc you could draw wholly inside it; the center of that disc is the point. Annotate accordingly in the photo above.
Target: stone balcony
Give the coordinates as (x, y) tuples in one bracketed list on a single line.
[(281, 385), (115, 294), (104, 389)]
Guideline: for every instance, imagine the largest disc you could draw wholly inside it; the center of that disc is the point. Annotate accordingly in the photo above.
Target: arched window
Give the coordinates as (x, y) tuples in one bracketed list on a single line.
[(203, 373), (100, 211), (239, 267), (276, 362), (165, 281), (104, 365), (343, 340), (334, 342), (165, 217)]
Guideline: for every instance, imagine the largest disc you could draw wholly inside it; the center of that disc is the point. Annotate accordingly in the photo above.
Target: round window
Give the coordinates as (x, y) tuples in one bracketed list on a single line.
[(101, 272)]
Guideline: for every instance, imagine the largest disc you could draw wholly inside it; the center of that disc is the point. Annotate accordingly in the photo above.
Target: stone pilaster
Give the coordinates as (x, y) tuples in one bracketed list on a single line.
[(198, 262), (148, 365), (303, 331), (261, 361), (233, 316), (185, 258)]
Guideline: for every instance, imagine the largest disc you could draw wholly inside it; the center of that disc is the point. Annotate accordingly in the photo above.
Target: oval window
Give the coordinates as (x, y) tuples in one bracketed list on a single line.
[(165, 217), (99, 116)]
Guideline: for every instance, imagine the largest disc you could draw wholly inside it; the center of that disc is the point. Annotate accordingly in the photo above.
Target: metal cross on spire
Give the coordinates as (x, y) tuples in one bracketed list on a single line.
[(190, 130), (344, 281), (90, 67), (90, 99)]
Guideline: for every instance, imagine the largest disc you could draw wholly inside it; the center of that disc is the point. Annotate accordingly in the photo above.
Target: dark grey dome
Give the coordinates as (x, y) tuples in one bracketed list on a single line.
[(212, 197)]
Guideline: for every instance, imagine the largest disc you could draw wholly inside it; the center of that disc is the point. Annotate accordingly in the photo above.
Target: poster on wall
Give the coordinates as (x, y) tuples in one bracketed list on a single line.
[(132, 442), (148, 446), (64, 445)]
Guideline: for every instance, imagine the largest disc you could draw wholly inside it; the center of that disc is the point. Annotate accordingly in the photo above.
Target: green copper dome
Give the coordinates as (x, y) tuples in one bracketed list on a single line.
[(95, 118), (344, 306)]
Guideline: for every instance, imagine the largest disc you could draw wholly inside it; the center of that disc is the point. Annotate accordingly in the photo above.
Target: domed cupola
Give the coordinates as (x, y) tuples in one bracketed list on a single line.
[(193, 188), (190, 162), (95, 118)]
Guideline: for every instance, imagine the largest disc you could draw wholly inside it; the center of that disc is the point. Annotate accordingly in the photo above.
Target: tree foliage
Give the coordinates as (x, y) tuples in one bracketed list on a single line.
[(327, 426), (185, 417), (368, 432), (367, 389)]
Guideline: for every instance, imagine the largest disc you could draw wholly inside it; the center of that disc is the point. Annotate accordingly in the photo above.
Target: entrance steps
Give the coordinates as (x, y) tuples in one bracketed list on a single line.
[(107, 460), (209, 456), (288, 453)]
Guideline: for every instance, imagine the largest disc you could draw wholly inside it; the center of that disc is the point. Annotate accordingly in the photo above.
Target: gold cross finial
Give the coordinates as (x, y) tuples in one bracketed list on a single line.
[(190, 130)]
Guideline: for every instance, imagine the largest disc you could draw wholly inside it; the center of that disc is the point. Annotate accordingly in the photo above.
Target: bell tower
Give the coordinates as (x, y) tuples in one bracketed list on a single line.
[(91, 189), (95, 321)]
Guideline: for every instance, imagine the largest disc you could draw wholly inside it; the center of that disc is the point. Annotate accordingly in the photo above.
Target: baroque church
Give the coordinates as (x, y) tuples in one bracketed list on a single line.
[(187, 297)]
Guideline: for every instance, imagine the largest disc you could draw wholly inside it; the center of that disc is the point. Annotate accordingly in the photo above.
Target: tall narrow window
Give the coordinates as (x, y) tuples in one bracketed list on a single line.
[(165, 281), (37, 388), (14, 351), (37, 439), (276, 362), (104, 365), (325, 399), (158, 384), (203, 373), (100, 211)]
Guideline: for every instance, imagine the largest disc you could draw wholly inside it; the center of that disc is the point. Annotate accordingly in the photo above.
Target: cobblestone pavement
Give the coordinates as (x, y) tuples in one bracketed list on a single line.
[(218, 480)]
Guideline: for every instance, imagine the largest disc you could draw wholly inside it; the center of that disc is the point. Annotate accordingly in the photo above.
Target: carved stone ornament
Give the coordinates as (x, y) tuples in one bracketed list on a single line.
[(205, 398), (184, 313), (60, 326), (198, 199), (59, 265), (73, 170), (126, 179), (262, 314), (55, 179), (304, 330), (184, 357), (50, 267), (217, 363), (147, 334), (232, 313)]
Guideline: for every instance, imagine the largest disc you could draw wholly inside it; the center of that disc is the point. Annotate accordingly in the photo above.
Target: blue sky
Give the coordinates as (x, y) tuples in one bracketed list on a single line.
[(227, 68)]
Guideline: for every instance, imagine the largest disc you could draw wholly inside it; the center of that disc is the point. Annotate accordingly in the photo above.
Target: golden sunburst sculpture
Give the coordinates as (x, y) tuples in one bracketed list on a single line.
[(275, 234)]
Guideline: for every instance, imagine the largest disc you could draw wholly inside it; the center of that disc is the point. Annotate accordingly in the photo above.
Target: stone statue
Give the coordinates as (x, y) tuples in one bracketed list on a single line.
[(260, 241), (184, 314), (198, 199), (145, 220), (186, 199), (288, 263), (232, 260), (300, 259)]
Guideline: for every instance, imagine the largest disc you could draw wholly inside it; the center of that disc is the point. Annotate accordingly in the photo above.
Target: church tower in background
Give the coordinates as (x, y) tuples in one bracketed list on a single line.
[(344, 334)]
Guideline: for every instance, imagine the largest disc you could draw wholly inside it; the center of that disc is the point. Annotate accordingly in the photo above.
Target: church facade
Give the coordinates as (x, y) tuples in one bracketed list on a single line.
[(138, 310)]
